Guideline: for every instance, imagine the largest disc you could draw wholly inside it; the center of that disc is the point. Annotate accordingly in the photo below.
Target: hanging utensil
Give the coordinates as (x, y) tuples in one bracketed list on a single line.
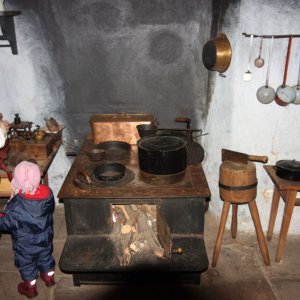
[(259, 61), (266, 94), (216, 54), (285, 94), (248, 74), (297, 89)]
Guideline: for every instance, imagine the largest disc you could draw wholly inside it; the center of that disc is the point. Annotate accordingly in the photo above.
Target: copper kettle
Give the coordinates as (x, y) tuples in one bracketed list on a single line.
[(216, 54)]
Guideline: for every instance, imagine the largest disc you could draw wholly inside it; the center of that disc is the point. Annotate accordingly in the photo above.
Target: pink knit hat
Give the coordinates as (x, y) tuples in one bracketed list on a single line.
[(27, 177)]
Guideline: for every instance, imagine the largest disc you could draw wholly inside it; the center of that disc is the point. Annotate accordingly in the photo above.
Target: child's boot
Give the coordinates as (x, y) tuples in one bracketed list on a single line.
[(48, 278), (28, 289)]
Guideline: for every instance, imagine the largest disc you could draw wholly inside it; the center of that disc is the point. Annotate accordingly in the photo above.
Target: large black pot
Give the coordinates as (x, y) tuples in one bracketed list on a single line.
[(162, 154), (288, 169)]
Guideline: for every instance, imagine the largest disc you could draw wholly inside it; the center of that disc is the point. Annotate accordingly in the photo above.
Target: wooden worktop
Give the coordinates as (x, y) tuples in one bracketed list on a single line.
[(281, 184)]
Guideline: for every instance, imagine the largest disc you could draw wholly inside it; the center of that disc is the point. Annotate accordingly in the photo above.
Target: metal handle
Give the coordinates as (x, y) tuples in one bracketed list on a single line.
[(184, 120), (178, 250), (250, 52), (287, 60), (269, 62)]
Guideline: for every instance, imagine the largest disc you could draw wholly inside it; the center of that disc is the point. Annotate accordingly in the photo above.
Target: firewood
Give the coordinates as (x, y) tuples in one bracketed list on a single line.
[(132, 218), (124, 211), (126, 229), (145, 229), (126, 257), (150, 209)]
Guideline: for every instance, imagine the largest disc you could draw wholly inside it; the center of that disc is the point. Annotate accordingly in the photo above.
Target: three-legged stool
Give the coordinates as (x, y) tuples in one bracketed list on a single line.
[(237, 184)]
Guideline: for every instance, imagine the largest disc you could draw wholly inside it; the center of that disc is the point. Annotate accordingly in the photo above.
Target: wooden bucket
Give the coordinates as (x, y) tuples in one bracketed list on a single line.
[(237, 182)]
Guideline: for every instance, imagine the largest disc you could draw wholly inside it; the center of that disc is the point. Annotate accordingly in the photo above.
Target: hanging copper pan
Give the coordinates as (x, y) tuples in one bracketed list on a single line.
[(216, 54)]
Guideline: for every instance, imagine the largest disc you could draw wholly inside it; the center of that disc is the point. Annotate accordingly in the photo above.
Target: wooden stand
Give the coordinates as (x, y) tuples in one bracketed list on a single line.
[(238, 186), (287, 190)]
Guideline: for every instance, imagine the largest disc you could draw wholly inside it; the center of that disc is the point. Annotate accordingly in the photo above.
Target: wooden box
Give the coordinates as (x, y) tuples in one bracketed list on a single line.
[(17, 145), (118, 127), (5, 187), (39, 150)]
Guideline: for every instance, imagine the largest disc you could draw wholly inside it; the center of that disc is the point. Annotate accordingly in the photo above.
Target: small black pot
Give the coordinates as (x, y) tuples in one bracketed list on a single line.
[(288, 169), (146, 129)]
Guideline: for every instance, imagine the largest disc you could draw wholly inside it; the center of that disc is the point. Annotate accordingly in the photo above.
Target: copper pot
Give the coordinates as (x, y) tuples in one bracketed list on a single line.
[(39, 135), (216, 54)]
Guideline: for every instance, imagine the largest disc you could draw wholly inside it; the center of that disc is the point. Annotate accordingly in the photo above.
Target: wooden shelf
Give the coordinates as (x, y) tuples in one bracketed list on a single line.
[(8, 29)]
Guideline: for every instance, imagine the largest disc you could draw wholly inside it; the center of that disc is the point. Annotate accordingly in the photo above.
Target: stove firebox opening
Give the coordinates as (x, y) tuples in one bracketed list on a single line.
[(139, 232)]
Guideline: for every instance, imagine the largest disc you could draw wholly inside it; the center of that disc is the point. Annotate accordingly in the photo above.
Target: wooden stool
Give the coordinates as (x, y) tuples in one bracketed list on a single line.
[(287, 190), (237, 183)]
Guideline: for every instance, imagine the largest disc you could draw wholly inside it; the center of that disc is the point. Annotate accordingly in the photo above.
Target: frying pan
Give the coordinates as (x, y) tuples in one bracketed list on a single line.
[(285, 94), (110, 171), (115, 150), (95, 154)]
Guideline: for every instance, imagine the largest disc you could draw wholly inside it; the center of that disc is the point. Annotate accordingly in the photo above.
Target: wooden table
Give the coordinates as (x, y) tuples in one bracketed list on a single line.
[(44, 164), (287, 190)]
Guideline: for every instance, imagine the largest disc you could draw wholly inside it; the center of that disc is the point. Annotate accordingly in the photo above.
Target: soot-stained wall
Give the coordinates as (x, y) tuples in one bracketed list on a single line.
[(125, 56)]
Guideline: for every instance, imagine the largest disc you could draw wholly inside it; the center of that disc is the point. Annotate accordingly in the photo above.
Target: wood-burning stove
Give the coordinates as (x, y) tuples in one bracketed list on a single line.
[(91, 254)]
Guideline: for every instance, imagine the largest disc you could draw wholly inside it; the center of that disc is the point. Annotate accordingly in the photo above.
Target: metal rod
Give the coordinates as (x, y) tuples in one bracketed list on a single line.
[(250, 52), (270, 36), (180, 129)]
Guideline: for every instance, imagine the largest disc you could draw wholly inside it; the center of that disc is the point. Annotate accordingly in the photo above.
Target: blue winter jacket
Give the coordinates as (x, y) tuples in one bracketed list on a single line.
[(28, 218), (25, 214)]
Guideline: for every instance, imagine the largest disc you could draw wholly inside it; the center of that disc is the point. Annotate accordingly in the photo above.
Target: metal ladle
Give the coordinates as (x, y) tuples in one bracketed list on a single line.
[(266, 94), (259, 62), (296, 88), (248, 74)]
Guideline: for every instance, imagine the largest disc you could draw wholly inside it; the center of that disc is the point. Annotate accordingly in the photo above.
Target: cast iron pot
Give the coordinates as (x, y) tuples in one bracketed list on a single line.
[(162, 154), (146, 129), (288, 169)]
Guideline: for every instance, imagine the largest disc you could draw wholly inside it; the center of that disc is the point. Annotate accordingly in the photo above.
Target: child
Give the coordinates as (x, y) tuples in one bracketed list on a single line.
[(28, 218)]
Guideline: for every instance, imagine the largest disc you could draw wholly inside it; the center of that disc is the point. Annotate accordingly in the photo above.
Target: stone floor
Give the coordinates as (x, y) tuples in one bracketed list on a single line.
[(240, 272)]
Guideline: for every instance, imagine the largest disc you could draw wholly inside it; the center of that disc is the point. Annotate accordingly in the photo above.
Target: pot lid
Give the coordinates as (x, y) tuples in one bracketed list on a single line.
[(161, 143), (292, 165)]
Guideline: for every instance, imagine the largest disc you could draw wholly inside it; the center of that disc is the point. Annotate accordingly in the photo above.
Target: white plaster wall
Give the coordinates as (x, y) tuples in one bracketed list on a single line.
[(31, 86), (238, 121)]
